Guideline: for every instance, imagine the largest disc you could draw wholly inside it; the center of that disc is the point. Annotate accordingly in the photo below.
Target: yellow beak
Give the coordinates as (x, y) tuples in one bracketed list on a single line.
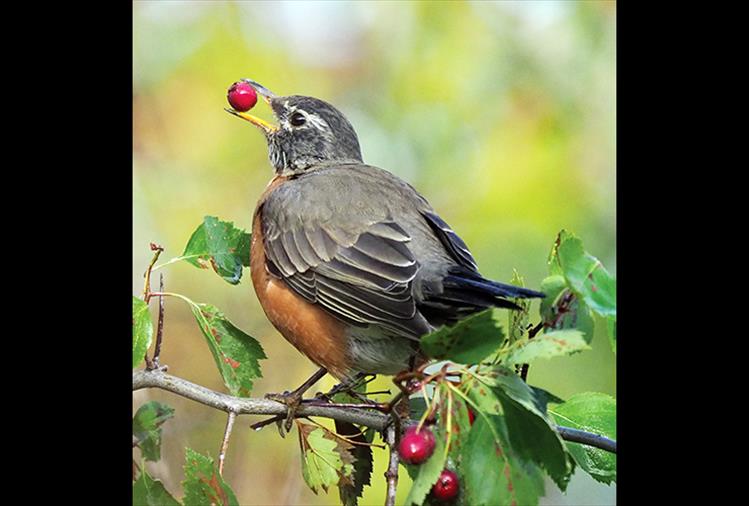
[(264, 92), (268, 128)]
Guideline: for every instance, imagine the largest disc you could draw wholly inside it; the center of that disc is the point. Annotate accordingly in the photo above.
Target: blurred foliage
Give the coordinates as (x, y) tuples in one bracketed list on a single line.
[(502, 114)]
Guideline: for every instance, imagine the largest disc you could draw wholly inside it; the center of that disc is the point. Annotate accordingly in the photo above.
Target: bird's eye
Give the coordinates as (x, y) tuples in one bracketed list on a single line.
[(298, 119)]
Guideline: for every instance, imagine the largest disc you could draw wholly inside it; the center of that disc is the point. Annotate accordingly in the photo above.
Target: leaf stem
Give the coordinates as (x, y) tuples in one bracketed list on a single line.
[(175, 260)]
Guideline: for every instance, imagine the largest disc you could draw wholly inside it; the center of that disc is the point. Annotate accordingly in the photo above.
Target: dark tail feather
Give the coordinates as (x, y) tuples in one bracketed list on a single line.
[(465, 291), (494, 287)]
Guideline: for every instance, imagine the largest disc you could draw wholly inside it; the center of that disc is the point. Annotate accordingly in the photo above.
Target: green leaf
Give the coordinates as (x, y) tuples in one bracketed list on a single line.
[(426, 474), (517, 320), (596, 413), (561, 309), (142, 330), (237, 354), (452, 418), (147, 427), (611, 329), (150, 492), (467, 342), (222, 246), (531, 433), (323, 459), (350, 488), (553, 260), (416, 407), (587, 277), (203, 485), (544, 398), (547, 345), (491, 473)]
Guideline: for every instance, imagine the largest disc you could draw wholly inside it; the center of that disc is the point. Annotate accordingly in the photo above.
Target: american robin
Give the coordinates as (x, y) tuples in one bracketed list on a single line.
[(350, 263)]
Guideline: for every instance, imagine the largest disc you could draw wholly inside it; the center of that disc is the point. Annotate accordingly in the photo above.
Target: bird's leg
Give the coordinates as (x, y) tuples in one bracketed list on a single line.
[(293, 399), (348, 386)]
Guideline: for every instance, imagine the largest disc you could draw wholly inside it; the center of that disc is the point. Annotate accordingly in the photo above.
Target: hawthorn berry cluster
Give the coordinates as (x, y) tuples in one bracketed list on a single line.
[(416, 446)]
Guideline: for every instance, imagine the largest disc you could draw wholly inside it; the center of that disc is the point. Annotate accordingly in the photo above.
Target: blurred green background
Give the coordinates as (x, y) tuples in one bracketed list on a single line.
[(502, 114)]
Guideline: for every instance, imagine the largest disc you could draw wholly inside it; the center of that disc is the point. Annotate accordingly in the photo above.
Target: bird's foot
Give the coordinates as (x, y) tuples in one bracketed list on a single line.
[(292, 400)]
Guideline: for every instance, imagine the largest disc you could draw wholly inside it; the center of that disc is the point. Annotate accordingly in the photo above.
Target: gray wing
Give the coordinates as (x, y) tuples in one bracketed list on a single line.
[(361, 275), (451, 241)]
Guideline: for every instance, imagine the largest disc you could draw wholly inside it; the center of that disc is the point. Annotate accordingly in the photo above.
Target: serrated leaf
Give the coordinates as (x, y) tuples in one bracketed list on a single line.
[(547, 345), (222, 246), (553, 259), (236, 354), (322, 464), (491, 473), (573, 315), (147, 427), (453, 419), (517, 320), (142, 330), (544, 398), (595, 413), (586, 276), (150, 492), (203, 485), (350, 488), (426, 474), (530, 431), (467, 342), (611, 329)]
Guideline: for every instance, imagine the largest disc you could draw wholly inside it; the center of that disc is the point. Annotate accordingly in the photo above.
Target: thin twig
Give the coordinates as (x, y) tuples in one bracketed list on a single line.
[(391, 475), (531, 334), (251, 406), (160, 325), (147, 292), (586, 438), (147, 285), (225, 442)]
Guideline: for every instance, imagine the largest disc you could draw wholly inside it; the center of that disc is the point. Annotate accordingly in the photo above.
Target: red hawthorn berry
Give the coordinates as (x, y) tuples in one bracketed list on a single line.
[(447, 486), (241, 96), (416, 447)]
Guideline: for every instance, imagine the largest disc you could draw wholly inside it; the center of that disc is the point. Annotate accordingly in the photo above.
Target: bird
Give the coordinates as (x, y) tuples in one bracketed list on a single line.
[(350, 263)]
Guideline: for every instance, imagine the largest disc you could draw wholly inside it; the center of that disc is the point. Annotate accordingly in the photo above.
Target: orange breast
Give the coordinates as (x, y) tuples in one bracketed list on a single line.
[(318, 335)]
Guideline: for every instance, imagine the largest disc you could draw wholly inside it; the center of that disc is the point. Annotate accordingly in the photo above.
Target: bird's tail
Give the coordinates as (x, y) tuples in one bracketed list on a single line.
[(471, 287)]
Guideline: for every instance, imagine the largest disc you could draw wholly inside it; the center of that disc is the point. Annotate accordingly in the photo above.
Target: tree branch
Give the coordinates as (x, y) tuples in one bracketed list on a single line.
[(587, 438), (225, 442), (391, 475), (251, 406)]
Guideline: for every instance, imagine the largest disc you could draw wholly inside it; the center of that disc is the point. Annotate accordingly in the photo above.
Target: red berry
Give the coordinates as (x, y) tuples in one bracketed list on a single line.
[(447, 486), (471, 416), (416, 447), (241, 96)]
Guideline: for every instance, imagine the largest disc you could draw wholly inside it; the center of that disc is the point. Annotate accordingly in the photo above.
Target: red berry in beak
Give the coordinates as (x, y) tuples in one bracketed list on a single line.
[(416, 447), (447, 486), (241, 96)]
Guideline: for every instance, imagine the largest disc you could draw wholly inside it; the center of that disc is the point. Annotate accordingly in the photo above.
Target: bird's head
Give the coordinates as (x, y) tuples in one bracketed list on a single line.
[(310, 132)]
